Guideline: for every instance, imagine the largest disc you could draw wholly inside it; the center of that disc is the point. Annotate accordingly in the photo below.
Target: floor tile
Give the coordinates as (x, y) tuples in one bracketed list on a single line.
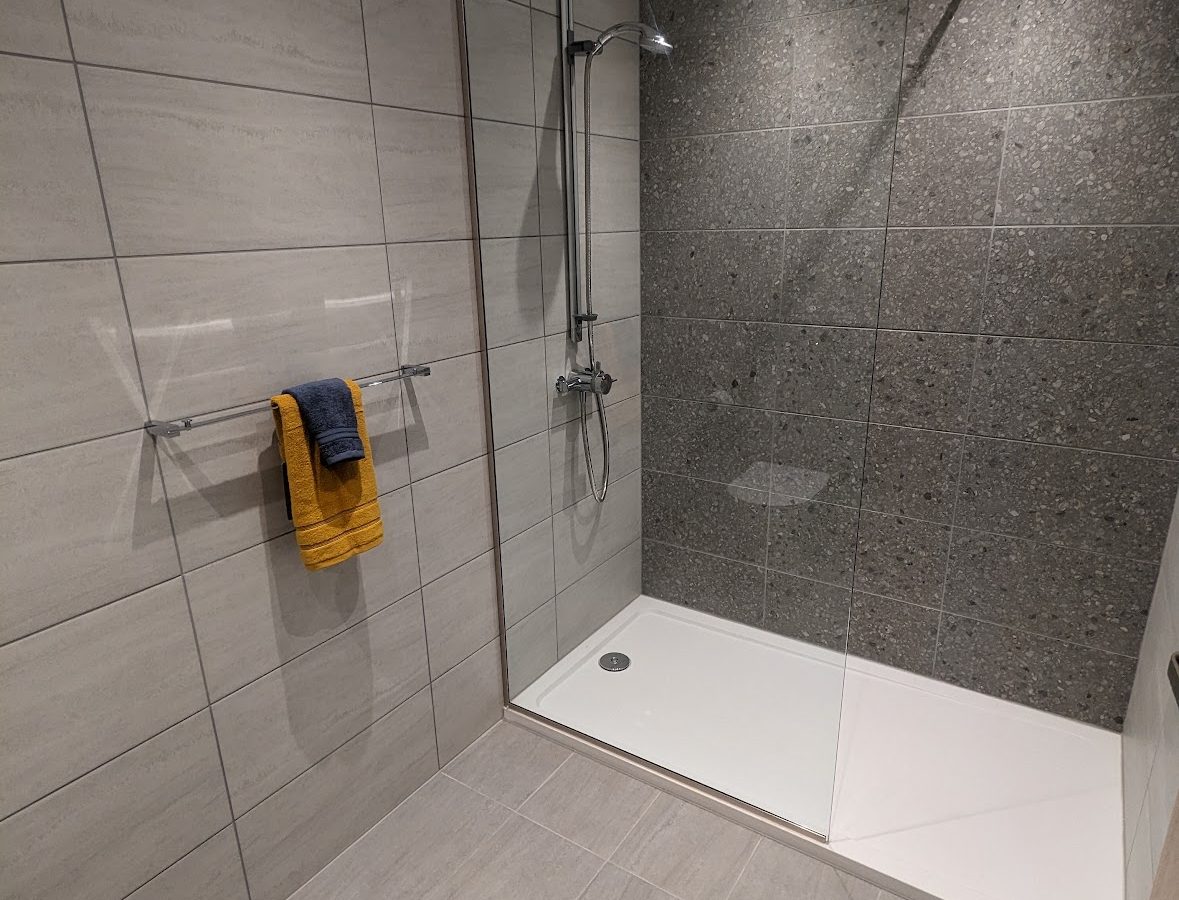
[(412, 848), (614, 884), (524, 862), (507, 764), (686, 850), (778, 873), (590, 804)]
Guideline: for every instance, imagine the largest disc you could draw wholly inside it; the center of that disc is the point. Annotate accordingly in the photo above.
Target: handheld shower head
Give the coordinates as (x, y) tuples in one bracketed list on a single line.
[(650, 39)]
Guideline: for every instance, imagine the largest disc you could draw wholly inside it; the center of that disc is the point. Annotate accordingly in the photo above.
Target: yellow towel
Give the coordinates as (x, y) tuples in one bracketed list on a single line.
[(335, 510)]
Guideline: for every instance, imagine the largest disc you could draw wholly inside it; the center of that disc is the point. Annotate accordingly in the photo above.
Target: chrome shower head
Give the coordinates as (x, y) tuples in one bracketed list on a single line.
[(655, 43), (649, 39)]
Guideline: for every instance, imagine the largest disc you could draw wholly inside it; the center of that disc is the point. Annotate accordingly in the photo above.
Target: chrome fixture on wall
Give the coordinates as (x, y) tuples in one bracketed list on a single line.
[(590, 380)]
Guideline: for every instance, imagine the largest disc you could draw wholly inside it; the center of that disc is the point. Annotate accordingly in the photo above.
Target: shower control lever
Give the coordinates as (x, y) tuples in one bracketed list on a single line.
[(585, 380)]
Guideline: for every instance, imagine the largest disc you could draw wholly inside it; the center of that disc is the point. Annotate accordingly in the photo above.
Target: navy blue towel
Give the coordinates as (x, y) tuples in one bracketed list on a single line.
[(330, 419)]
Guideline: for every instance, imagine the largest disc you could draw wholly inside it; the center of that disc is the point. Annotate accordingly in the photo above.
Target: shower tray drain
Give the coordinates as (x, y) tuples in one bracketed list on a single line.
[(614, 662)]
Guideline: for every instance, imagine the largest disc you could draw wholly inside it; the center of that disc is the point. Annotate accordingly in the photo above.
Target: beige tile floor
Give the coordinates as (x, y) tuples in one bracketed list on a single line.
[(517, 817)]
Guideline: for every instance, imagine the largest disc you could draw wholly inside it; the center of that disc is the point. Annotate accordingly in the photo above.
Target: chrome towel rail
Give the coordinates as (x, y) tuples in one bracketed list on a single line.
[(175, 427)]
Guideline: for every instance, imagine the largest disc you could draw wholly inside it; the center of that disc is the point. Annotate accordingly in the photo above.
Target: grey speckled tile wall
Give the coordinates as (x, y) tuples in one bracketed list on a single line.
[(918, 283)]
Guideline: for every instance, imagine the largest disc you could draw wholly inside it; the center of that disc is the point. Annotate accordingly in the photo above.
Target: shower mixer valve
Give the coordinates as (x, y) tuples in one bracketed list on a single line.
[(588, 380)]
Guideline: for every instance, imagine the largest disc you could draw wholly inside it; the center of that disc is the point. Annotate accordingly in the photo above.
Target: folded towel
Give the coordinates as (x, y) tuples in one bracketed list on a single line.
[(335, 511), (330, 419)]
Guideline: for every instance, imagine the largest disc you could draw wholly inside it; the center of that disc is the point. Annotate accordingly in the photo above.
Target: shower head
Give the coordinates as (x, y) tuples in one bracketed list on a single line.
[(650, 39), (655, 43)]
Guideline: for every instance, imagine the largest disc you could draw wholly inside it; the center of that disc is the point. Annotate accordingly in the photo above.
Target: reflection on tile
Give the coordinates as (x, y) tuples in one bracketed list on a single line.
[(446, 421), (1097, 162), (1078, 498), (468, 700), (461, 613), (48, 186), (413, 56), (723, 519), (546, 70), (299, 829), (570, 481), (35, 27), (214, 869), (721, 587), (141, 675), (500, 61), (110, 539), (527, 562), (709, 182), (923, 379), (839, 175), (831, 277), (274, 728), (697, 359), (1099, 601), (817, 459), (189, 165), (1087, 49), (692, 853), (65, 316), (423, 162), (823, 371), (513, 302), (320, 51), (846, 64), (615, 259), (507, 764), (714, 442), (523, 493), (814, 540), (215, 330), (257, 609), (122, 823), (434, 299), (933, 278), (615, 184), (893, 633), (453, 514), (595, 598), (413, 848), (524, 861), (972, 64), (945, 170), (1053, 676), (911, 472), (1085, 283), (532, 647), (519, 391), (590, 804), (720, 81), (506, 175), (807, 610), (588, 533), (712, 274), (902, 558), (1118, 397)]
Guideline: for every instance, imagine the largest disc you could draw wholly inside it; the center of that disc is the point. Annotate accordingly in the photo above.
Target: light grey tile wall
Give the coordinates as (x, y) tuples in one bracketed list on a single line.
[(909, 332), (1150, 742), (552, 534), (201, 206)]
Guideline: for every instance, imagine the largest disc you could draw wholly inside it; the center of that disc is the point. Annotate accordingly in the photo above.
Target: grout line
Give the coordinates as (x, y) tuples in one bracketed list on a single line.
[(757, 843), (536, 790), (1002, 226), (920, 331)]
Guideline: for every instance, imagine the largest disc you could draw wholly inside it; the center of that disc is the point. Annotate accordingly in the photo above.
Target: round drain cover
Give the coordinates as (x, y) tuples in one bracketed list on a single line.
[(614, 662)]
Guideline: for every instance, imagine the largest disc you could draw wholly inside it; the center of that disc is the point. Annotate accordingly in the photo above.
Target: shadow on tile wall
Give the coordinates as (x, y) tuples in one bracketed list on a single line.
[(202, 205), (911, 331)]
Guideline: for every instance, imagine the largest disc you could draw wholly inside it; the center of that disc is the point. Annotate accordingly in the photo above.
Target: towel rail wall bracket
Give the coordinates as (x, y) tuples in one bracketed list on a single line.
[(178, 426)]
